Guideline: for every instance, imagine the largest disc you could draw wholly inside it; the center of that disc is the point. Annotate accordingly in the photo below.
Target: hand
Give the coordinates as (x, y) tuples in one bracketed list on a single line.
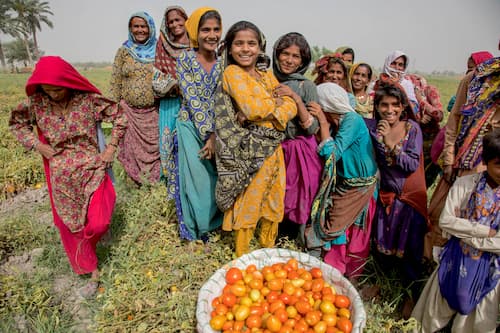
[(45, 150), (425, 118), (108, 156), (448, 174), (208, 151), (315, 109), (383, 128), (492, 233), (284, 90), (241, 118)]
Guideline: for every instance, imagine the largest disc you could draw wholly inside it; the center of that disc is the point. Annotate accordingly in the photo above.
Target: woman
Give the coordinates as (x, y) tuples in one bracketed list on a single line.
[(131, 85), (464, 288), (291, 59), (347, 55), (360, 76), (251, 184), (331, 68), (394, 71), (191, 145), (340, 217), (67, 109), (400, 221), (173, 40)]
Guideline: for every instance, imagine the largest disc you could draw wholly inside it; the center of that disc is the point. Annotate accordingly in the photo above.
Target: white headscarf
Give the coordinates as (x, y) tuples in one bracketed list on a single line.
[(394, 73), (333, 98)]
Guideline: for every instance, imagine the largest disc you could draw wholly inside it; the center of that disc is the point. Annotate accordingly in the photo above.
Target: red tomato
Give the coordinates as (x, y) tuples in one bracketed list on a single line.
[(217, 322), (273, 324), (342, 301), (316, 273), (253, 321), (344, 325), (233, 274), (228, 299)]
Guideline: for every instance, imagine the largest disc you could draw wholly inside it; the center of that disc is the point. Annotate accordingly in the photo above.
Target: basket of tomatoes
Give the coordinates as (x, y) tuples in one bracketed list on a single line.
[(279, 290)]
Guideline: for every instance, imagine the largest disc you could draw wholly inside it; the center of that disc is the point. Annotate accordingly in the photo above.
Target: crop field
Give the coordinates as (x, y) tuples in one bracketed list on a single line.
[(149, 277)]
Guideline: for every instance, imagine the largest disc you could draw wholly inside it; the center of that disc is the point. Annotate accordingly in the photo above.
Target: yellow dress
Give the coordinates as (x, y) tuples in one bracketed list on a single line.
[(263, 199)]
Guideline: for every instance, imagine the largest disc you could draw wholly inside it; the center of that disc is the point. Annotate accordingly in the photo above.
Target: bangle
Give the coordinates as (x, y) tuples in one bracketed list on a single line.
[(113, 144)]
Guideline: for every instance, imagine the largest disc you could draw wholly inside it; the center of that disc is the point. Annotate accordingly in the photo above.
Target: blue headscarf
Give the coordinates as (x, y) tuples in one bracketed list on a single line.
[(142, 52)]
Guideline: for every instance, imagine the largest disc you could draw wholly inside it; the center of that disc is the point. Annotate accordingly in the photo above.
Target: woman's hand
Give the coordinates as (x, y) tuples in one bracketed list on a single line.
[(315, 109), (45, 150), (241, 118), (284, 90), (208, 151), (108, 155), (383, 128)]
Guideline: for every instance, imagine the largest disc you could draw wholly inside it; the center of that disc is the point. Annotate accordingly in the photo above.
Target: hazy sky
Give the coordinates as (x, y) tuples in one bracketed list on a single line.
[(436, 34)]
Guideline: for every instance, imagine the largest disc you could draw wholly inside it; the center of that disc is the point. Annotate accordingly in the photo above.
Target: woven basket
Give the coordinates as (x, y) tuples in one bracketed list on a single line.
[(266, 257)]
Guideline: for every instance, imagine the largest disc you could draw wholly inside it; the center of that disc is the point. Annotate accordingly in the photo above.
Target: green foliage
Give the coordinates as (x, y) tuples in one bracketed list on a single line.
[(317, 52)]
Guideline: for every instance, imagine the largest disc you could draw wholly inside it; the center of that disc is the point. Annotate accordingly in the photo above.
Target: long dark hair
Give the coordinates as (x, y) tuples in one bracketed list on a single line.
[(231, 34), (384, 90), (294, 38)]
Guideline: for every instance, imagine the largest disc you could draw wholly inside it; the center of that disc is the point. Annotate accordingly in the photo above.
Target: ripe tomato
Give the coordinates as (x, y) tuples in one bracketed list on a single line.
[(242, 312), (303, 307), (278, 304), (221, 309), (344, 312), (330, 319), (275, 284), (312, 317), (281, 274), (327, 307), (255, 284), (233, 274), (342, 301), (317, 285), (239, 289), (253, 321), (291, 311), (228, 299), (316, 273), (281, 314), (344, 325), (250, 269), (293, 263), (273, 324), (256, 310), (217, 322), (320, 327)]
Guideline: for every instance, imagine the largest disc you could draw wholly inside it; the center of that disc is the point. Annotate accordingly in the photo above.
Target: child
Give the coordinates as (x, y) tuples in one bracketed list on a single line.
[(251, 184), (465, 284)]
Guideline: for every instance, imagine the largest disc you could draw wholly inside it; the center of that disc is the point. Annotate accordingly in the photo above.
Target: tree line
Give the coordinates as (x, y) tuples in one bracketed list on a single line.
[(22, 19)]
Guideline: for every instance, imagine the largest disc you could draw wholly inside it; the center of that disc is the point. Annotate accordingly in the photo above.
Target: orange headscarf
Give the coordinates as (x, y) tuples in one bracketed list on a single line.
[(193, 22)]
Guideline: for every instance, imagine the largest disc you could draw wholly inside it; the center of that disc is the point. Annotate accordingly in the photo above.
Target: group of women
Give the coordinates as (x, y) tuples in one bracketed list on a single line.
[(245, 148)]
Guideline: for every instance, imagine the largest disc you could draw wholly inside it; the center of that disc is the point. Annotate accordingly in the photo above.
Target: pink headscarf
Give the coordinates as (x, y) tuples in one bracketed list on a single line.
[(55, 71), (481, 56)]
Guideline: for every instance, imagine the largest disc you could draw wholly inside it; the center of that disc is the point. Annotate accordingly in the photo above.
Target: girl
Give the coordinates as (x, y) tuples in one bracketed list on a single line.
[(191, 145), (401, 218), (173, 40), (340, 217), (465, 284), (291, 59), (360, 77), (251, 184)]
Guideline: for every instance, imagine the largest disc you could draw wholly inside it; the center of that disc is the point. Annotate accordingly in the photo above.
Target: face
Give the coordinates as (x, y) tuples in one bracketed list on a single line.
[(390, 109), (175, 23), (347, 58), (245, 49), (139, 29), (209, 34), (290, 59), (335, 74), (471, 65), (56, 93), (360, 78), (399, 64), (493, 168)]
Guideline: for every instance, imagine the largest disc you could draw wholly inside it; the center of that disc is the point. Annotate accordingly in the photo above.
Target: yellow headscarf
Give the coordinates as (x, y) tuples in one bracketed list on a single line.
[(193, 22)]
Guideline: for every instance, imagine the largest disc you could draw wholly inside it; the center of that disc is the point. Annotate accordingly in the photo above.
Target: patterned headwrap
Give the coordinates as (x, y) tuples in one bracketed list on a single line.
[(333, 98), (55, 71), (299, 74), (142, 52), (193, 23), (394, 73)]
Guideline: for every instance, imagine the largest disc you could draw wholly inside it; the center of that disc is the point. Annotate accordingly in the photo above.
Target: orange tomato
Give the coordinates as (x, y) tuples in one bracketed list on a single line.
[(301, 326), (320, 327), (342, 301), (221, 309), (217, 322), (216, 301), (312, 317), (238, 326), (239, 290), (291, 311), (330, 319), (317, 285), (266, 270), (281, 314), (344, 325), (250, 269), (253, 321), (228, 299), (293, 263), (273, 324), (228, 325), (316, 273), (256, 310), (255, 284), (273, 296), (291, 322), (276, 284), (233, 274), (327, 307), (242, 312), (278, 304), (281, 274), (303, 307), (344, 312)]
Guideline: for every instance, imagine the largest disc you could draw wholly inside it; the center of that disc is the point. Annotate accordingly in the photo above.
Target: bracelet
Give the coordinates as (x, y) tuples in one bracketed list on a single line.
[(307, 123), (113, 144)]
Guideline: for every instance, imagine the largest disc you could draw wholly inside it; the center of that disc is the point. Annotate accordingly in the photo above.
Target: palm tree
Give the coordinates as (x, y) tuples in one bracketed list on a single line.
[(31, 14), (6, 24)]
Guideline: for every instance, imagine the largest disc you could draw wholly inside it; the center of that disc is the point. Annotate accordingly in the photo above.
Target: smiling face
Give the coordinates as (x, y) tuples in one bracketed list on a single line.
[(399, 64), (245, 49), (360, 78), (175, 24), (390, 109), (209, 34), (139, 29), (335, 74), (290, 59)]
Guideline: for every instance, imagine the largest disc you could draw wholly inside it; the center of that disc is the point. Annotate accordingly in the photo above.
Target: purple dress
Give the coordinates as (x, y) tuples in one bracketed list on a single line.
[(399, 228)]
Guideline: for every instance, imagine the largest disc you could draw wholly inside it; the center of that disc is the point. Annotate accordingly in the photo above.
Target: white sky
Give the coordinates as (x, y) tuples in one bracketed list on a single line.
[(436, 34)]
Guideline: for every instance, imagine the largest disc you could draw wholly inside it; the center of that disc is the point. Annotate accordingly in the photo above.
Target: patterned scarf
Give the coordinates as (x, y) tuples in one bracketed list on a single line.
[(483, 98), (142, 52)]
